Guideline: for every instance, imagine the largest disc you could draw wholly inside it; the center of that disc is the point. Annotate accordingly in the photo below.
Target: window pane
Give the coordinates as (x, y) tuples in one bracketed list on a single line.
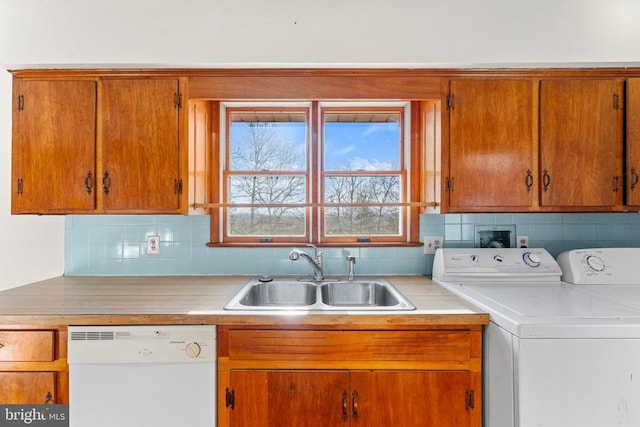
[(266, 221), (267, 189), (368, 141), (362, 189), (362, 221), (267, 141)]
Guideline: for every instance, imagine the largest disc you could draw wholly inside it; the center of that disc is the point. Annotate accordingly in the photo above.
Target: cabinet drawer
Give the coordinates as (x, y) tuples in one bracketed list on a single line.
[(418, 346), (34, 388), (27, 346)]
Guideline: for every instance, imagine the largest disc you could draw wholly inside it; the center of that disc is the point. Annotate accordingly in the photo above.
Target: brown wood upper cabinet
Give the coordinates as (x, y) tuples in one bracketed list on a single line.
[(140, 144), (633, 143), (534, 145), (581, 131), (98, 145), (54, 146), (491, 145)]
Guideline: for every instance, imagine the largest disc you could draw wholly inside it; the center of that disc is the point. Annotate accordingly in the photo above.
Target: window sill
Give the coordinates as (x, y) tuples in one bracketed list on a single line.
[(321, 245)]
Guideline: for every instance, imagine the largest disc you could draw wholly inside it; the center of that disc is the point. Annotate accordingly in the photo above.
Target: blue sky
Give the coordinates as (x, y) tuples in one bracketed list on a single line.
[(354, 146)]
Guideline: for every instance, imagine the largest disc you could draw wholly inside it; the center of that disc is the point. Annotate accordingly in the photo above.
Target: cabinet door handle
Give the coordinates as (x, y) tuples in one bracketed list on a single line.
[(529, 180), (354, 405), (546, 180), (88, 182), (345, 406), (106, 182), (634, 179), (615, 184), (48, 398)]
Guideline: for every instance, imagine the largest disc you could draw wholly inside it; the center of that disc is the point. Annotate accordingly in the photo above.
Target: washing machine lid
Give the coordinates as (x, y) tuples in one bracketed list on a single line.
[(551, 310)]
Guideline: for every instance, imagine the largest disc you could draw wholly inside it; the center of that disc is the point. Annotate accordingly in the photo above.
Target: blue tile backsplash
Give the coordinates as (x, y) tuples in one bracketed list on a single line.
[(116, 244)]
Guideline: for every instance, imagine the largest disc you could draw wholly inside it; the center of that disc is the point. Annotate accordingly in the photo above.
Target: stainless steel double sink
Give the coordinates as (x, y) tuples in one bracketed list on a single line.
[(289, 293)]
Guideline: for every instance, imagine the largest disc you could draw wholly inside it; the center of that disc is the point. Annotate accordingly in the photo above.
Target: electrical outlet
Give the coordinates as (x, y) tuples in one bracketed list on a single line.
[(153, 245), (522, 241), (431, 243)]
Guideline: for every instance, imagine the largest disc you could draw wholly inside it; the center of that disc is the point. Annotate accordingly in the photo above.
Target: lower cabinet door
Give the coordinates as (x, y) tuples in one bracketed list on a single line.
[(364, 398), (290, 398), (33, 388), (410, 398)]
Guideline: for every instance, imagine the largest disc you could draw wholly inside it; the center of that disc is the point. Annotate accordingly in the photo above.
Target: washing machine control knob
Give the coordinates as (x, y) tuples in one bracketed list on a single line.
[(595, 263), (192, 350), (532, 260)]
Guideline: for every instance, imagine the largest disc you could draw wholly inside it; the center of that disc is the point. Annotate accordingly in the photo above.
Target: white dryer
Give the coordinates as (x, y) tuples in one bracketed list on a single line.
[(555, 354)]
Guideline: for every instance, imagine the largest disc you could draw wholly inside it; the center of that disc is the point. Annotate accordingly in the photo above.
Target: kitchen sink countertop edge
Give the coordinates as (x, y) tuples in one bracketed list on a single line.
[(104, 300)]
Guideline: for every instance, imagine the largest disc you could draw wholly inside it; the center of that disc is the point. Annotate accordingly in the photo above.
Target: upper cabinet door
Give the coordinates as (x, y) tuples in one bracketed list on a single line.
[(140, 144), (54, 143), (491, 145), (633, 142), (581, 143)]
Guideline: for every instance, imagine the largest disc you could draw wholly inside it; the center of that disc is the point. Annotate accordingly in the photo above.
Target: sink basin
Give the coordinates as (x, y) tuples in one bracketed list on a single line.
[(280, 293), (368, 294)]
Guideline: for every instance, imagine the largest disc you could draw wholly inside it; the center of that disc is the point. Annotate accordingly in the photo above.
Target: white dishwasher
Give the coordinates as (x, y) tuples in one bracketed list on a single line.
[(142, 376)]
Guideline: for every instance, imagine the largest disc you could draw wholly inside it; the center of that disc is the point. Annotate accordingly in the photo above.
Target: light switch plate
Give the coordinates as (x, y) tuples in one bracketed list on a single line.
[(431, 243)]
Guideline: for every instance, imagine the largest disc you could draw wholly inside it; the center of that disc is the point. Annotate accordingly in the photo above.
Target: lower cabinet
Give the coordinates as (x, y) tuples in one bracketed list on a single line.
[(33, 366), (273, 377), (338, 398), (28, 387)]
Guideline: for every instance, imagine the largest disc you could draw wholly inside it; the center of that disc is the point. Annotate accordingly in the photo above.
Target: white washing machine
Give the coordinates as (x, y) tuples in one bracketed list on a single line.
[(555, 354)]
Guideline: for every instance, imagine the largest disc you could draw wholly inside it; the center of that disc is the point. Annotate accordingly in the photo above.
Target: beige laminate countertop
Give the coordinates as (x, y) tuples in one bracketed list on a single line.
[(103, 300)]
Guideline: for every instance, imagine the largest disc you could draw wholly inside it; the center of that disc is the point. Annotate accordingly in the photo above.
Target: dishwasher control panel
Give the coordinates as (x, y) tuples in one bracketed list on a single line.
[(142, 344)]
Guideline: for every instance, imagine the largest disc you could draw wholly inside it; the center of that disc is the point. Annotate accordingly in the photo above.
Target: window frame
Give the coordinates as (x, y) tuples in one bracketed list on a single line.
[(403, 110), (410, 205), (226, 110)]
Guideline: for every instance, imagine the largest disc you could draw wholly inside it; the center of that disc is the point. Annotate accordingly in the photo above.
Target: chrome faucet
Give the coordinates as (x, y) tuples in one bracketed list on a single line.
[(352, 264), (316, 263)]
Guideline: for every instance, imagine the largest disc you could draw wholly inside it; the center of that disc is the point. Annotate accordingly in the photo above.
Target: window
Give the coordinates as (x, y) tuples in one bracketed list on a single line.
[(266, 175), (363, 175), (326, 173)]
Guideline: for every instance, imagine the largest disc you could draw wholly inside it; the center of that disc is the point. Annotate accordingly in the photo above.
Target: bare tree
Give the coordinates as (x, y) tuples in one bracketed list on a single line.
[(265, 149)]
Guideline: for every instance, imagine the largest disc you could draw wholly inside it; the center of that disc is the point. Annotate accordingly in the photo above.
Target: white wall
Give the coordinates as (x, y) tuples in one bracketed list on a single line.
[(213, 33)]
